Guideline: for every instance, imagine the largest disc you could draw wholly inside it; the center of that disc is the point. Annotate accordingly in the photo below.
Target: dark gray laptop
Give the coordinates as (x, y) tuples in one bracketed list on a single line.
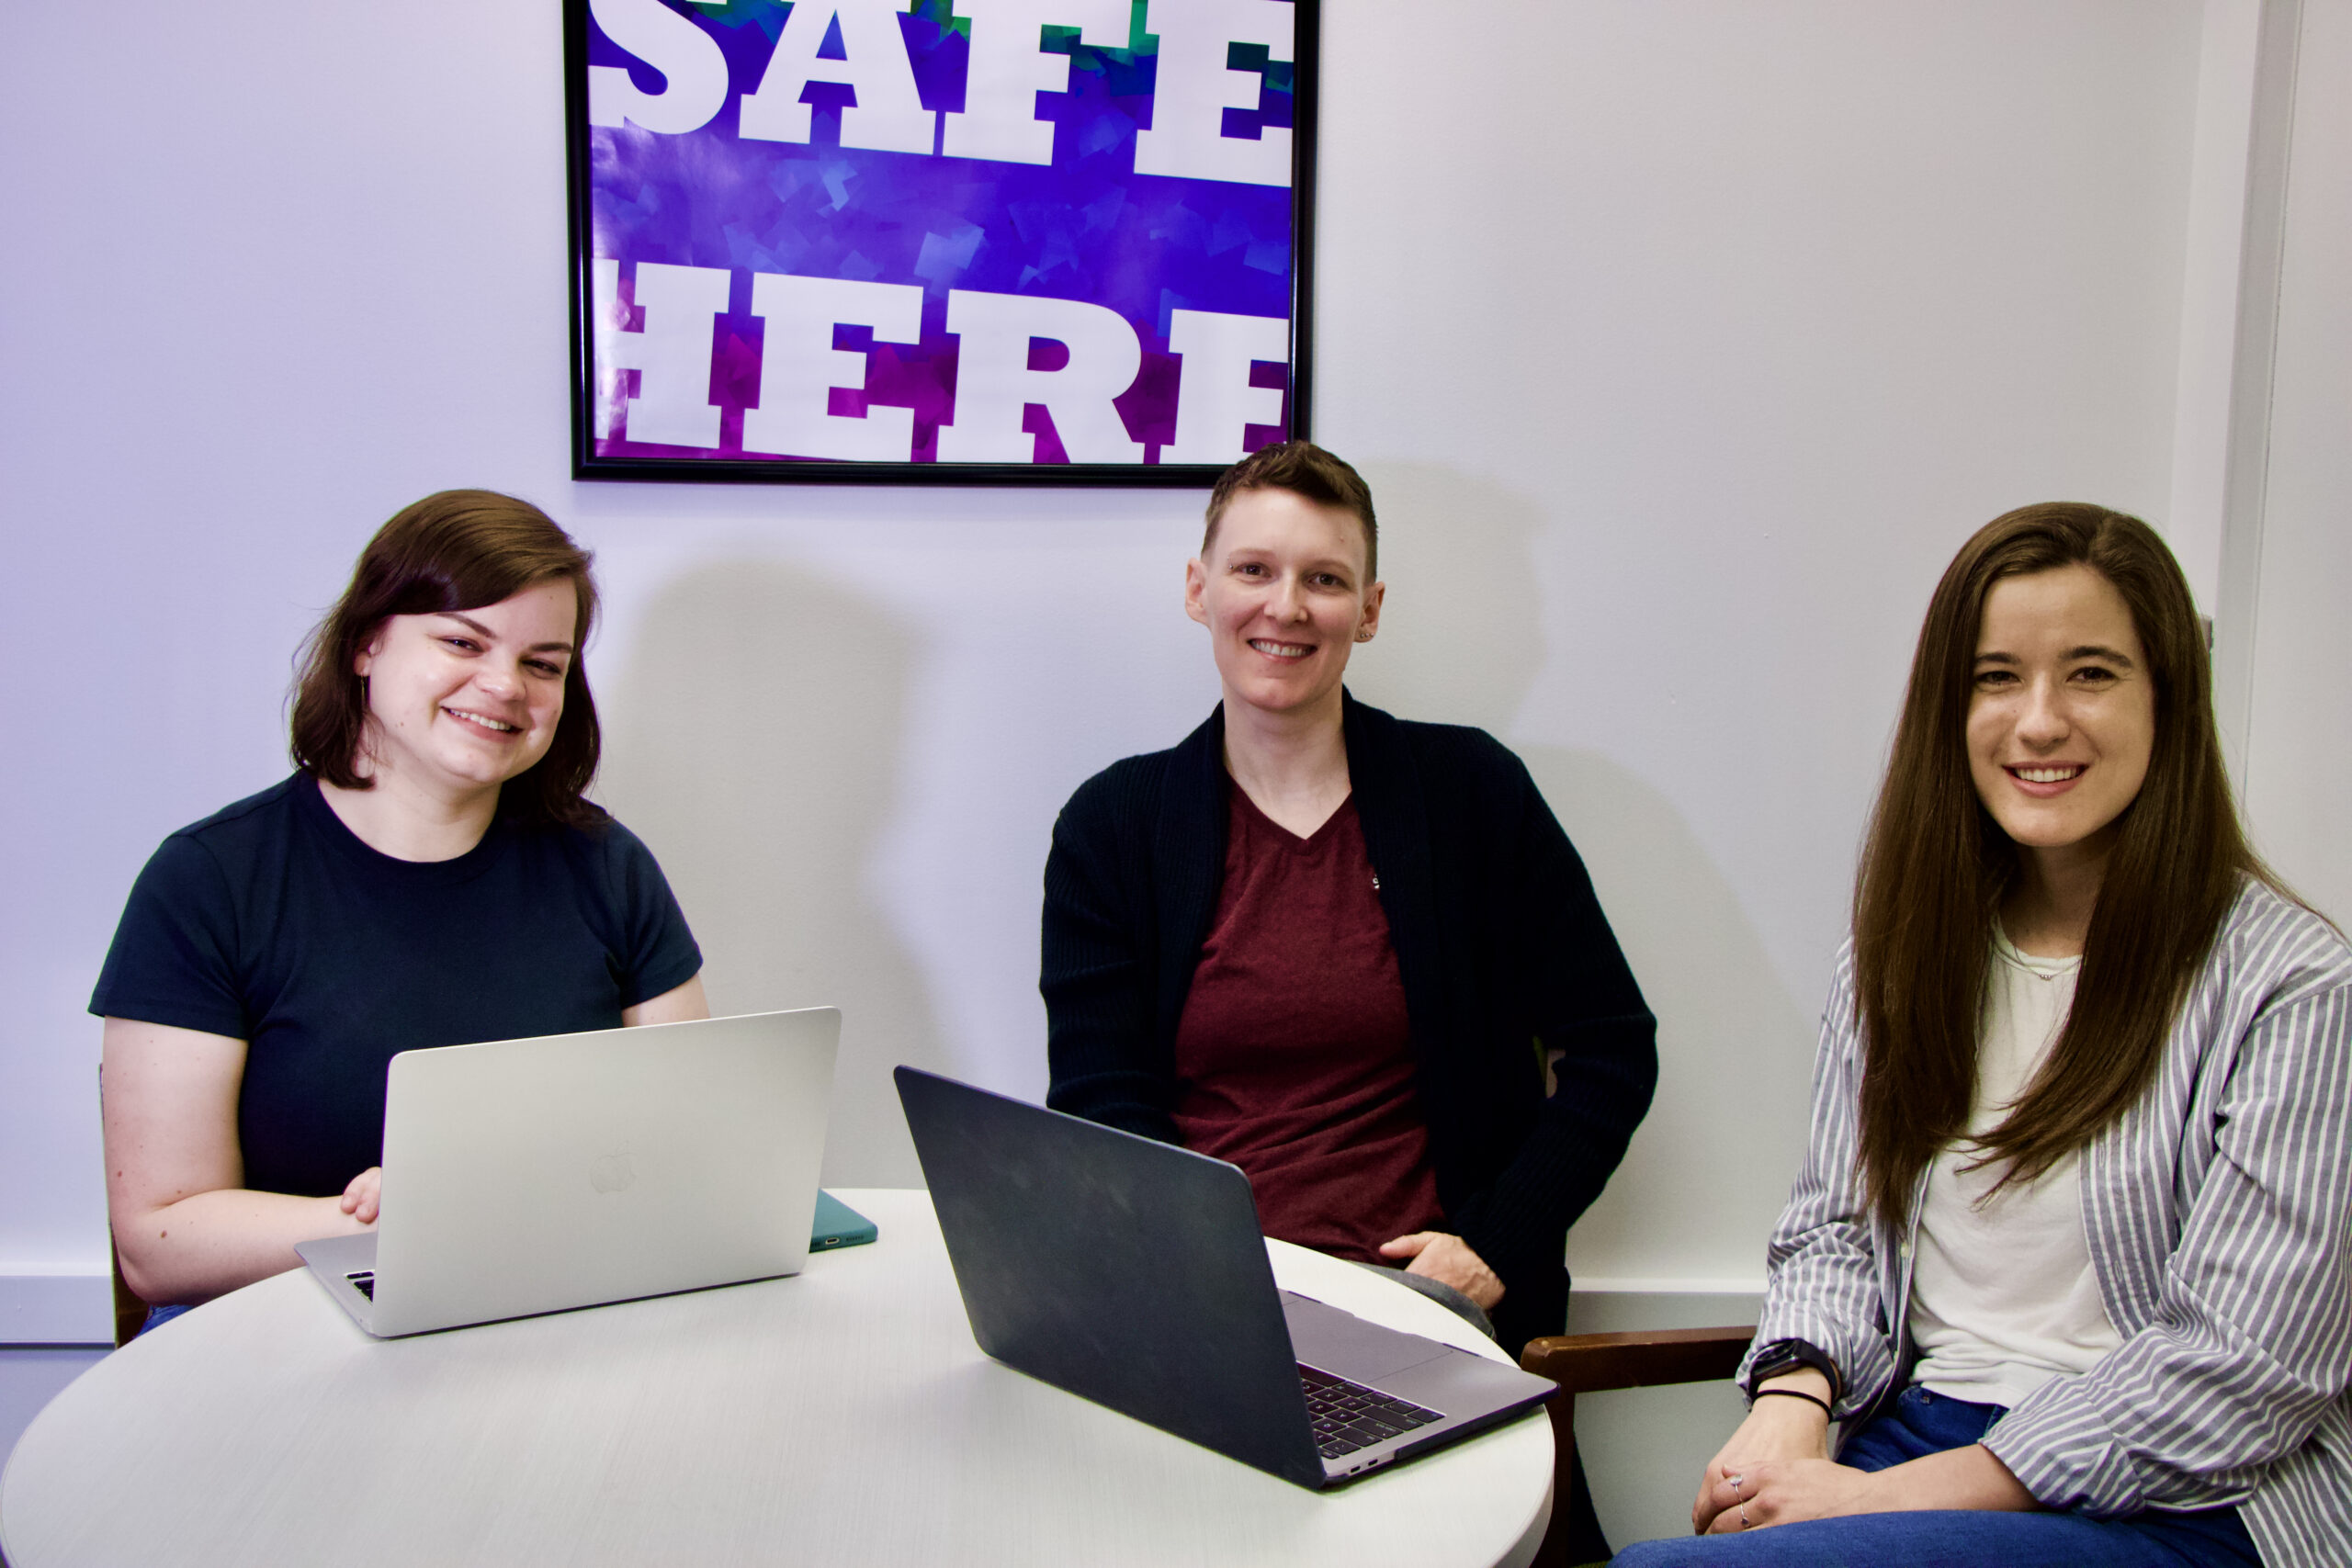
[(1133, 1273)]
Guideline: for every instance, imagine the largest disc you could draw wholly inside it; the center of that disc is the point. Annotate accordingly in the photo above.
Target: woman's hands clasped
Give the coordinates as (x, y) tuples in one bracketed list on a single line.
[(1448, 1259), (1777, 1469), (1749, 1494), (1771, 1471)]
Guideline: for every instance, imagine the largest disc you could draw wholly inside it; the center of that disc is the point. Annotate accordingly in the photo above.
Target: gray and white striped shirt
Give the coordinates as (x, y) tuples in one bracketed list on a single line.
[(2218, 1214)]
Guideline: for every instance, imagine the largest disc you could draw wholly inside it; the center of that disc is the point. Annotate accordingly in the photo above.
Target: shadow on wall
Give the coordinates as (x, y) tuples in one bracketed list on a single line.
[(753, 742), (1461, 641)]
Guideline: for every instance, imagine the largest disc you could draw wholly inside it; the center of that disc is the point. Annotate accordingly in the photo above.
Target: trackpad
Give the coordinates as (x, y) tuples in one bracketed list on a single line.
[(1342, 1343), (1461, 1383)]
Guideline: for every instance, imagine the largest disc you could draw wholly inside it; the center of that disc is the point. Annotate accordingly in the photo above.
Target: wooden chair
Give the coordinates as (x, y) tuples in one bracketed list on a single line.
[(129, 1311), (1591, 1363)]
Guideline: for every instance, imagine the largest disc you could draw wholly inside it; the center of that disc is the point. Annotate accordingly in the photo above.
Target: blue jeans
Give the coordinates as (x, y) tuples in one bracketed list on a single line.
[(1922, 1423), (158, 1315)]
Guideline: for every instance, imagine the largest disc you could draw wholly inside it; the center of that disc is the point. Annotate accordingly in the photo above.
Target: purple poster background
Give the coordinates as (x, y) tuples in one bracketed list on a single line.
[(1086, 227)]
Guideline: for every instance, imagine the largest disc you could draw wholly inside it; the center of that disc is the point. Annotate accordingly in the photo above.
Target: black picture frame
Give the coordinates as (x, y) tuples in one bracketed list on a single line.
[(590, 462)]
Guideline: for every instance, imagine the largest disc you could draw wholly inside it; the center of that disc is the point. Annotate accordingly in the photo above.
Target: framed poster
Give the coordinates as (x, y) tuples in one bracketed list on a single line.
[(962, 241)]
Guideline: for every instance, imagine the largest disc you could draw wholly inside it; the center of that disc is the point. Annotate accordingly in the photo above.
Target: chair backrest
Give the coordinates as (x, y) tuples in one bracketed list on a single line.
[(1590, 1363), (129, 1311)]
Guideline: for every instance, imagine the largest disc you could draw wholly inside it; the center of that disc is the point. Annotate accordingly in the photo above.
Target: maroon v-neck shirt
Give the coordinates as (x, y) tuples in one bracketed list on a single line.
[(1294, 1054)]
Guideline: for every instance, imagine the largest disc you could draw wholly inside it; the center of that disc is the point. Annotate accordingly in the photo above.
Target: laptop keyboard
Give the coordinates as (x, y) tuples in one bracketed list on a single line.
[(365, 1283), (1349, 1416)]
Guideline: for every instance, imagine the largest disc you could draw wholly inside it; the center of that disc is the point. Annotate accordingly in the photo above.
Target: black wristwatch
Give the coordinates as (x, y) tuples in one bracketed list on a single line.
[(1787, 1355)]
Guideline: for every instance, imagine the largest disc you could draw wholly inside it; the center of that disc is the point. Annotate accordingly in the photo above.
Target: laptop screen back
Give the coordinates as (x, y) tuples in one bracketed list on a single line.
[(529, 1176), (1128, 1271)]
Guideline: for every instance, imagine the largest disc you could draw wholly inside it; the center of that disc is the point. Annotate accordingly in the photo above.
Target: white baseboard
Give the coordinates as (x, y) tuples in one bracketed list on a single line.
[(75, 1306), (56, 1306), (1730, 1285)]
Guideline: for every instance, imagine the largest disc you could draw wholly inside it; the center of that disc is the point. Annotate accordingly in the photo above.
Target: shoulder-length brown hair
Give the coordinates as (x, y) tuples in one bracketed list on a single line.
[(458, 549), (1935, 868)]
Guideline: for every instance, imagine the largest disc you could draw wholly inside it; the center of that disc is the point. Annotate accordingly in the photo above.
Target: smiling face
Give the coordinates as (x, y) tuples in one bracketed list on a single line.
[(461, 701), (1281, 589), (2063, 717)]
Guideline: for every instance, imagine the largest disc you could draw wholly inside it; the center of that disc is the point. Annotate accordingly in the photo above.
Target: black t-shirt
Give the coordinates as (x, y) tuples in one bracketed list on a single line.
[(272, 923)]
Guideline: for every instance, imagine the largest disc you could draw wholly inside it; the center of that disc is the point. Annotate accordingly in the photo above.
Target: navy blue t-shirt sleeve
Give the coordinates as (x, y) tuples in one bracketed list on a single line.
[(657, 953), (175, 955)]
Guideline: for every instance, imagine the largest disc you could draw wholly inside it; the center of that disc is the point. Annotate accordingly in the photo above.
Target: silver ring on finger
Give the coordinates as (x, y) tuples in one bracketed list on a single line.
[(1743, 1516), (1736, 1481)]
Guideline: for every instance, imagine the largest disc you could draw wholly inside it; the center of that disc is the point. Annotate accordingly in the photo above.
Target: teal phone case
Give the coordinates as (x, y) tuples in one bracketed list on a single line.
[(838, 1224)]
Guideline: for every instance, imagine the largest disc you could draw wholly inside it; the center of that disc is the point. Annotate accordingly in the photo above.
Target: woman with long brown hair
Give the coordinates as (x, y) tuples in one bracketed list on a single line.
[(431, 875), (2067, 1256)]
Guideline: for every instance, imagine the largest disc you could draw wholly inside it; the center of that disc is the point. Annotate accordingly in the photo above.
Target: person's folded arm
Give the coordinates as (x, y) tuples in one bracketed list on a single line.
[(1825, 1277), (1605, 1077), (186, 1227), (1094, 977), (1744, 1494), (2247, 1348), (1776, 1469), (1589, 1021)]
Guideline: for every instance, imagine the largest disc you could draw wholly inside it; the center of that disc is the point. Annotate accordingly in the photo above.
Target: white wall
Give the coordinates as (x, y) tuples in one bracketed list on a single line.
[(1699, 337), (2298, 751), (1683, 343)]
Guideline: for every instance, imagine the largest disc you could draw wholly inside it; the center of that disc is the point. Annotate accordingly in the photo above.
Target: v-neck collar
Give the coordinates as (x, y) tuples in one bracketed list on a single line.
[(1240, 801)]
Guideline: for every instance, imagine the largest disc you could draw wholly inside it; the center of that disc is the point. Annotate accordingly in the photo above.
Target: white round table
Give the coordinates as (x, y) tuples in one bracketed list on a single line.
[(843, 1416)]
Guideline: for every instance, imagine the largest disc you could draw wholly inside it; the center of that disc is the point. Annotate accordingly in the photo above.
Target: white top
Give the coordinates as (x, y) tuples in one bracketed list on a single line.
[(840, 1416), (2004, 1297)]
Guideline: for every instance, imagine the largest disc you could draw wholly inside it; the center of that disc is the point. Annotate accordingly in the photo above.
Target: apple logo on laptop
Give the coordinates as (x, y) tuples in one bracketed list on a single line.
[(614, 1173)]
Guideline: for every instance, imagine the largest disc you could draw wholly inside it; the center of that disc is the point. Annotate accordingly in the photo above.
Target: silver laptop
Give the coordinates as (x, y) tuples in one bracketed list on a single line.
[(1133, 1273), (532, 1176)]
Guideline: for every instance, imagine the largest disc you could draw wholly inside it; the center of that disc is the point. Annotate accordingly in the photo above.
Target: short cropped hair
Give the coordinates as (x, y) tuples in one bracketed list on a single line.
[(1304, 469), (457, 550)]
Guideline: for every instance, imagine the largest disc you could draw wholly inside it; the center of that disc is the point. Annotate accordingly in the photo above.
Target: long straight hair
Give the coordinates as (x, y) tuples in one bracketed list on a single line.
[(1936, 866), (457, 549)]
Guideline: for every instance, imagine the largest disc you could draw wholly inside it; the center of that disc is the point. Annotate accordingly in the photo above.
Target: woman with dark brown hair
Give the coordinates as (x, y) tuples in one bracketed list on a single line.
[(430, 875), (2067, 1255)]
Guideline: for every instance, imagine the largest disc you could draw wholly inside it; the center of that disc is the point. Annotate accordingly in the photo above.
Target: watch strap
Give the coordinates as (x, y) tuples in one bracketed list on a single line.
[(1787, 1355)]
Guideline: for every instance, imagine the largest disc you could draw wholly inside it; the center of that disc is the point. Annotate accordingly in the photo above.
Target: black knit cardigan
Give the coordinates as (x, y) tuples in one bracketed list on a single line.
[(1504, 952)]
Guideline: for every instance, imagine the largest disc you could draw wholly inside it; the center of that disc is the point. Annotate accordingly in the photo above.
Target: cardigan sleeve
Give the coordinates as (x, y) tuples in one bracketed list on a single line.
[(2250, 1340), (1096, 964), (1826, 1277), (1588, 1018)]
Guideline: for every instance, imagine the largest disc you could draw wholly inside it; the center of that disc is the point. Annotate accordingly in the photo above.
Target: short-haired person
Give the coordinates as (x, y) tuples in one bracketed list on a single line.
[(2068, 1251), (1339, 949), (431, 875)]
